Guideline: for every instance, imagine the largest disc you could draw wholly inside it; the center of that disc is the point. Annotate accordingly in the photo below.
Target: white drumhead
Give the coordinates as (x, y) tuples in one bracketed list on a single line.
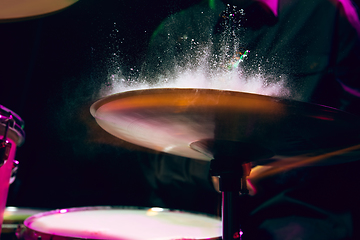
[(119, 223)]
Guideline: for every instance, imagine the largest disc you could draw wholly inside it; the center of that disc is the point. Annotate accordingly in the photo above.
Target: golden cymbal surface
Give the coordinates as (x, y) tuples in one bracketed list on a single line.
[(171, 120), (24, 9)]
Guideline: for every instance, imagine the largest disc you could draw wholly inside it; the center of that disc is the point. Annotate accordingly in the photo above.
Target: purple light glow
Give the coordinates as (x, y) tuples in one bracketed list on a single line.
[(272, 4), (351, 14), (350, 90), (252, 189), (324, 118)]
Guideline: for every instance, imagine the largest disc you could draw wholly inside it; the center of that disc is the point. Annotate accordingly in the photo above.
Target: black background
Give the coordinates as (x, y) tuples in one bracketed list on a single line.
[(51, 71)]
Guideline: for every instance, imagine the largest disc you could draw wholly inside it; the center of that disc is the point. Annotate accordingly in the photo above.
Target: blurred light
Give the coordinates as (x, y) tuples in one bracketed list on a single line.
[(169, 148), (157, 209), (11, 209), (63, 211), (154, 211)]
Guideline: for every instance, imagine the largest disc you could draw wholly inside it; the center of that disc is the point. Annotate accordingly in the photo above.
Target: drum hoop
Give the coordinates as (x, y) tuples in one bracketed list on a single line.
[(18, 127), (29, 220), (78, 209)]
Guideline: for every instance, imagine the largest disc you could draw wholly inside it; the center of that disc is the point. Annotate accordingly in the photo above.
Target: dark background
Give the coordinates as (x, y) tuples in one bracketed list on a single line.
[(51, 71)]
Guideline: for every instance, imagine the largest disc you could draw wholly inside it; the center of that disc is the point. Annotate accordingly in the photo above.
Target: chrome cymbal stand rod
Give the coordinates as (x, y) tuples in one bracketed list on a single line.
[(232, 181)]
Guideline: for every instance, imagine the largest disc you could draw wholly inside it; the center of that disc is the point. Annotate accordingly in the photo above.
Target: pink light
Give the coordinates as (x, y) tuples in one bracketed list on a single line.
[(324, 118), (351, 14), (272, 4), (350, 90), (238, 234), (63, 211), (252, 189)]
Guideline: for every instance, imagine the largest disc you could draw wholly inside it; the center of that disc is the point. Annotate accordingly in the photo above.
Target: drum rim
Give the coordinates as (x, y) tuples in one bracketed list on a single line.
[(89, 208), (30, 219), (18, 128)]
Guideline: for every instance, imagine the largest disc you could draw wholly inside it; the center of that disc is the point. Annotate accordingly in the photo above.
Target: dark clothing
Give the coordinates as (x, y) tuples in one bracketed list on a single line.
[(179, 183), (312, 47)]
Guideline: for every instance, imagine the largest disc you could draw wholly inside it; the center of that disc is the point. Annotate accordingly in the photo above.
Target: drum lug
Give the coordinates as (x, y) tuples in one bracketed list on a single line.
[(5, 147), (14, 171), (20, 231)]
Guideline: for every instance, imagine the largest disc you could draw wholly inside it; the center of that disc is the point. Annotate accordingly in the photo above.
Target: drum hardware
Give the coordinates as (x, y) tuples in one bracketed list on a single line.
[(5, 145), (14, 218), (232, 165), (230, 184), (15, 129), (12, 137), (14, 171)]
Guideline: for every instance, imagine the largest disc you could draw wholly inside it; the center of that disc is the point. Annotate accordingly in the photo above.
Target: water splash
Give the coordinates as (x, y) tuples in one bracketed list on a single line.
[(198, 78), (206, 67)]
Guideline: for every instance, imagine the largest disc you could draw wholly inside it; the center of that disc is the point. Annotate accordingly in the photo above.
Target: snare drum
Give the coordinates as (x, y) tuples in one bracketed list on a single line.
[(120, 223), (11, 136)]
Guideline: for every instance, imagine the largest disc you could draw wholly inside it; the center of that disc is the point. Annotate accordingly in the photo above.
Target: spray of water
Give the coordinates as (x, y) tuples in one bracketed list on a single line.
[(202, 67), (258, 83)]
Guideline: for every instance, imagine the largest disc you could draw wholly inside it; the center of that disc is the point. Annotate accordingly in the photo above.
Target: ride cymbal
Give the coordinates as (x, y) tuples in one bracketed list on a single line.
[(12, 11), (184, 121)]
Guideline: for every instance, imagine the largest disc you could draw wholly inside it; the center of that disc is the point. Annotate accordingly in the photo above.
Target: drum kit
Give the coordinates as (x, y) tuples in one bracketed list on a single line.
[(232, 130)]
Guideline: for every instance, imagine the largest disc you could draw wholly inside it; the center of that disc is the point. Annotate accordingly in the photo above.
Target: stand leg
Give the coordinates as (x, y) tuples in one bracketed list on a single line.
[(232, 164), (230, 216), (231, 184)]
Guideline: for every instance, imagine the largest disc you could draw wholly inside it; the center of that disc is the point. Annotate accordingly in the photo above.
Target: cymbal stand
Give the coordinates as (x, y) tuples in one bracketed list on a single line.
[(232, 181)]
